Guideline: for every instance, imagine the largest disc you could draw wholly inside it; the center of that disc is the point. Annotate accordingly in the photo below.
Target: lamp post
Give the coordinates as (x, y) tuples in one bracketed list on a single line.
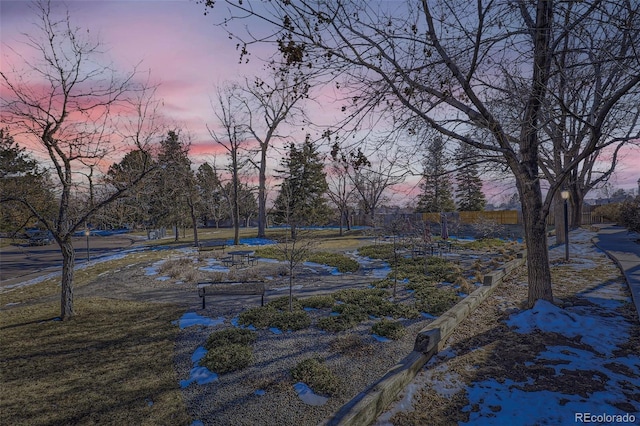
[(565, 196), (86, 233)]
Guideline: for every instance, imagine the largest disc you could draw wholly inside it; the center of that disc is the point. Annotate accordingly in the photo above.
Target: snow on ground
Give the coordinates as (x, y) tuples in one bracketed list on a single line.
[(598, 331)]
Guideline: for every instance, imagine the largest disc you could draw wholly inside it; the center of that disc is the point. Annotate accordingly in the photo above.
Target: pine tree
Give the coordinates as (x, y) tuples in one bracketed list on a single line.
[(301, 198), (175, 182), (437, 192), (469, 190)]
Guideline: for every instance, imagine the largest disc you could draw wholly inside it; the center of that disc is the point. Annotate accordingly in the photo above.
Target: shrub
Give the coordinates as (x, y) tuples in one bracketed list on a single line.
[(434, 300), (230, 336), (316, 375), (336, 324), (391, 329), (610, 212), (351, 345), (282, 304), (379, 251), (318, 302), (227, 358), (259, 317), (296, 320), (340, 261), (630, 214)]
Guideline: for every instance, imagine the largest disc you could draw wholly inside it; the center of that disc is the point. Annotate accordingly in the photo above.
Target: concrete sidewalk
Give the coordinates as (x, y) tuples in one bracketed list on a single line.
[(624, 248)]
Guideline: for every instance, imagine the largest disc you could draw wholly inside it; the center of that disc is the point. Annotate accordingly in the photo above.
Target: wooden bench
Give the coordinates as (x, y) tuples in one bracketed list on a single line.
[(230, 288), (212, 245)]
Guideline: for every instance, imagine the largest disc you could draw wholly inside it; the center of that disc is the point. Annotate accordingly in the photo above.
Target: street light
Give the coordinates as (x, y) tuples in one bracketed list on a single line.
[(86, 234), (565, 196)]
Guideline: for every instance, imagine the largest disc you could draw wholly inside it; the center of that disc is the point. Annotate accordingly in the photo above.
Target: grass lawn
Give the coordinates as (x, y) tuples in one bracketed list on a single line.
[(112, 364)]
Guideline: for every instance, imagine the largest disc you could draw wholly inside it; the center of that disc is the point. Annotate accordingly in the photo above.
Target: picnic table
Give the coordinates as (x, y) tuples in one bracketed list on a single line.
[(239, 257)]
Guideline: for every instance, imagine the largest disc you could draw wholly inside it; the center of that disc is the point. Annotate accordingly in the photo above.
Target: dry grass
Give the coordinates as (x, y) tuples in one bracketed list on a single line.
[(111, 364), (485, 348), (51, 287)]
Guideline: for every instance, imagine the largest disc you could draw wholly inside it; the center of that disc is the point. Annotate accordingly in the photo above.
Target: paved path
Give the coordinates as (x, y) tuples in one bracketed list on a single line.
[(624, 248)]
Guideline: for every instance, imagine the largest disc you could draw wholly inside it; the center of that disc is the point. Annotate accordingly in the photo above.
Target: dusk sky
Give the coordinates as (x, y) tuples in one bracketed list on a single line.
[(188, 55)]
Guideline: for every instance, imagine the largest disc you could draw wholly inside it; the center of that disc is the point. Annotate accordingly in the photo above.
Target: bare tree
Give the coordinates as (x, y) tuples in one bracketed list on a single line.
[(451, 65), (66, 99), (230, 115), (372, 182), (269, 104)]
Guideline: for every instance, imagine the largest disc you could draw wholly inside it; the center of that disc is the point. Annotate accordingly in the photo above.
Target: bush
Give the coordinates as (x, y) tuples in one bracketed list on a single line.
[(296, 320), (271, 316), (379, 251), (230, 336), (227, 358), (610, 212), (318, 302), (630, 214), (435, 300), (336, 324), (340, 261), (390, 329), (282, 304), (259, 317), (316, 375)]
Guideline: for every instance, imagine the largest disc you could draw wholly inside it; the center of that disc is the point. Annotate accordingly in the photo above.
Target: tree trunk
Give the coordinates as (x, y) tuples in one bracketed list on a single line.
[(262, 196), (194, 221), (68, 265), (558, 217), (576, 207), (538, 269)]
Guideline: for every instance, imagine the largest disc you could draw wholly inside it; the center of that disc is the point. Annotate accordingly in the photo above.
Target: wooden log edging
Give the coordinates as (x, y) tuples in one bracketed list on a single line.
[(365, 408)]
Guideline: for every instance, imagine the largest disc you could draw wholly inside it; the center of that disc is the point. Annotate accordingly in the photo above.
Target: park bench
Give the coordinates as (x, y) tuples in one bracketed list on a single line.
[(226, 288), (212, 245)]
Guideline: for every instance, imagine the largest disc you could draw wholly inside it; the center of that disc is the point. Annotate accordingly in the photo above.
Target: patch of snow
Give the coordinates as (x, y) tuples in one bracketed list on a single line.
[(199, 375), (602, 333), (275, 330), (163, 278), (380, 338), (331, 269), (259, 392), (198, 354), (235, 323), (307, 396), (191, 318)]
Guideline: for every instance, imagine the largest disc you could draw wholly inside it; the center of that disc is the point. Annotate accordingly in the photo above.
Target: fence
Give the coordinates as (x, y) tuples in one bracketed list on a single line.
[(502, 217)]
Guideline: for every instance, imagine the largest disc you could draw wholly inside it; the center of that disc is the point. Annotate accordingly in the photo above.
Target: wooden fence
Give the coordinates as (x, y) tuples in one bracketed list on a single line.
[(502, 217)]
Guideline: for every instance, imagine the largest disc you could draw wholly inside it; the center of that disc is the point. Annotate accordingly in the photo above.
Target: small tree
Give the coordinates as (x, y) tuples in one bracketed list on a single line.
[(295, 251)]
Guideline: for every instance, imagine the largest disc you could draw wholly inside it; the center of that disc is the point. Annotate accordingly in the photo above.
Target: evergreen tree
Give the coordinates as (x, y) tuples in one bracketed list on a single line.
[(133, 207), (212, 205), (22, 181), (469, 190), (437, 192), (174, 183), (301, 198)]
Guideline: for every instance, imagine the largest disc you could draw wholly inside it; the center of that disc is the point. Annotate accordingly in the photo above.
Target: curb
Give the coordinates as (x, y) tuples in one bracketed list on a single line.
[(365, 407)]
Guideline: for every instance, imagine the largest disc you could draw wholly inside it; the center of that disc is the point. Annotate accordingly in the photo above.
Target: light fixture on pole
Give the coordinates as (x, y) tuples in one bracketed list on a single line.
[(565, 196)]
